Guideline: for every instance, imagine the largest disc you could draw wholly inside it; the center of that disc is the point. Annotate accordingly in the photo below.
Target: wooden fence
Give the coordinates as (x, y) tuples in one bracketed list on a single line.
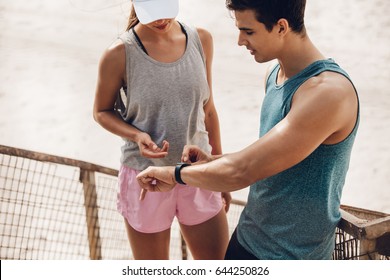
[(59, 208)]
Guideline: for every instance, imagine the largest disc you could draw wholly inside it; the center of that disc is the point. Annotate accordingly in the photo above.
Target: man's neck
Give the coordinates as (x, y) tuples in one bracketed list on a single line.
[(297, 55)]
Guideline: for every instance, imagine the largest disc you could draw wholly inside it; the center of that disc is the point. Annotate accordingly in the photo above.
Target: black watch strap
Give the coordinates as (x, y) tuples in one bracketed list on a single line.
[(178, 168)]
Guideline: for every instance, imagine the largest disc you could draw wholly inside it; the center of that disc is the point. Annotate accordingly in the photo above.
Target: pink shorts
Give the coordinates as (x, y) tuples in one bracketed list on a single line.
[(156, 212)]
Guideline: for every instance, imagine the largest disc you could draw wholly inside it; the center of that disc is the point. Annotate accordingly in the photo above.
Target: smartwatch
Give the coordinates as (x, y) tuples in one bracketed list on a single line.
[(178, 168)]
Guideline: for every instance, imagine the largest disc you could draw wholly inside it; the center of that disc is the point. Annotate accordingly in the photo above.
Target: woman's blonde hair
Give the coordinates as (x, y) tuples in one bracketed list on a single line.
[(133, 19)]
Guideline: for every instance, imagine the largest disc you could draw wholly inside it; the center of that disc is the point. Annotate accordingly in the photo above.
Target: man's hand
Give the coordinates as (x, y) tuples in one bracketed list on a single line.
[(156, 179)]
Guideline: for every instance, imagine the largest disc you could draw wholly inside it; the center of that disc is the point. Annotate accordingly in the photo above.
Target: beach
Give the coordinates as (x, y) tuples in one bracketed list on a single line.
[(50, 50)]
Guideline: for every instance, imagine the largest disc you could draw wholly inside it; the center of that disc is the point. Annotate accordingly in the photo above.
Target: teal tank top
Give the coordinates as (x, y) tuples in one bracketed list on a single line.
[(294, 214)]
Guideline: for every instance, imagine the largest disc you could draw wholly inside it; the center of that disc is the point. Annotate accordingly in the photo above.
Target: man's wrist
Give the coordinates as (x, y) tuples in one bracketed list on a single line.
[(178, 168)]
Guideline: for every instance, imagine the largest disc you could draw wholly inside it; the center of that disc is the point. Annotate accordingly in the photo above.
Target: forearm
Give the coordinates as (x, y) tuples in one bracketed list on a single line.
[(235, 171), (212, 127), (111, 122), (224, 174), (269, 155)]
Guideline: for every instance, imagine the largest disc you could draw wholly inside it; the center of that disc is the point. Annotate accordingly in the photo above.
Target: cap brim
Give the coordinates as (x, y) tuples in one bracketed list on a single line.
[(152, 10)]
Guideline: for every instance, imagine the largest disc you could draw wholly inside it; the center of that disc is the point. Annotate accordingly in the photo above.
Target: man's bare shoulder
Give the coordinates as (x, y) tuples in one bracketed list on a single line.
[(328, 85), (329, 96)]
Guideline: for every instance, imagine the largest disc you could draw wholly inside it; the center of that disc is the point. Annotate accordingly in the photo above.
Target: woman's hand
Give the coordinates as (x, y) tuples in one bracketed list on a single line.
[(226, 199), (194, 155), (149, 149)]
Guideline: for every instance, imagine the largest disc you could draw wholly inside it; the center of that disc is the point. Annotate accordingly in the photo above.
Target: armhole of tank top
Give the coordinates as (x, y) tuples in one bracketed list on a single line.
[(127, 62), (346, 75)]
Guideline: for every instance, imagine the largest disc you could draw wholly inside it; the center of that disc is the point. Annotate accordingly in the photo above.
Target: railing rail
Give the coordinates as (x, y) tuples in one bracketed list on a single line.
[(83, 165), (370, 228)]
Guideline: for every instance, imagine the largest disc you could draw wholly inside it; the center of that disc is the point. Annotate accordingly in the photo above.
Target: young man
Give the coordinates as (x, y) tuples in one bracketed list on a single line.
[(298, 166)]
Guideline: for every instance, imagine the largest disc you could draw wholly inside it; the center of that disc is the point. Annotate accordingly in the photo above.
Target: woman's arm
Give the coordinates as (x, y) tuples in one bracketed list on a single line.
[(111, 77), (211, 115)]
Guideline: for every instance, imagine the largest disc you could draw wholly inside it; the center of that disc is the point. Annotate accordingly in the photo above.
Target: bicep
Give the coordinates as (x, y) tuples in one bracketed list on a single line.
[(306, 126)]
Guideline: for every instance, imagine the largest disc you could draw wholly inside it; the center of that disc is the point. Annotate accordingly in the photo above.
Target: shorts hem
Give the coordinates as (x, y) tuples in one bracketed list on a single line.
[(201, 221), (145, 231)]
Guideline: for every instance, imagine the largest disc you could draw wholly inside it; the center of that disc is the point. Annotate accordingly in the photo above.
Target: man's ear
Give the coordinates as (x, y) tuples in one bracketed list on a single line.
[(282, 26)]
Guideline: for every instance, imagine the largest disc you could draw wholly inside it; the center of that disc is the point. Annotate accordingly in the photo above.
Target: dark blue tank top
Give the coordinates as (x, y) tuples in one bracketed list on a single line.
[(293, 214)]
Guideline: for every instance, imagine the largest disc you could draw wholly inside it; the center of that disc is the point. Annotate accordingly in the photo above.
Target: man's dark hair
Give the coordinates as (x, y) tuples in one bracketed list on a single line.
[(269, 12)]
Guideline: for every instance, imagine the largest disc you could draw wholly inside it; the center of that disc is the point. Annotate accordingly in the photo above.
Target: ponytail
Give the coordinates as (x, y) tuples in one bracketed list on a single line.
[(133, 19)]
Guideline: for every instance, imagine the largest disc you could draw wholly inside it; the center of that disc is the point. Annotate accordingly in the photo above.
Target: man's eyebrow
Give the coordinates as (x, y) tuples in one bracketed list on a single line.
[(245, 28)]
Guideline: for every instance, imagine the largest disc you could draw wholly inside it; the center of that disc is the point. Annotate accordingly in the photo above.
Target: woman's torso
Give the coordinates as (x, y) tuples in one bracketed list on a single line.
[(165, 100)]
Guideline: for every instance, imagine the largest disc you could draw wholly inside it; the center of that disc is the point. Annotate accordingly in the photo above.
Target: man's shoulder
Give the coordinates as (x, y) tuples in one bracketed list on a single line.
[(329, 84), (328, 92)]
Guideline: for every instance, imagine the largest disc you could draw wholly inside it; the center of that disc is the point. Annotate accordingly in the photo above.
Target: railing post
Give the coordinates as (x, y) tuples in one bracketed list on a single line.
[(91, 212), (367, 250)]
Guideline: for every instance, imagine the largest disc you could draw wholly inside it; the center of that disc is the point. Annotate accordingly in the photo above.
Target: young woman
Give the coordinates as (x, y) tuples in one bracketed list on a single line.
[(154, 91)]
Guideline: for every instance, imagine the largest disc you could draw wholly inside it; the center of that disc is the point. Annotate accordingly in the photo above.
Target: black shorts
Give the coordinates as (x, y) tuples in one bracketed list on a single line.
[(235, 251)]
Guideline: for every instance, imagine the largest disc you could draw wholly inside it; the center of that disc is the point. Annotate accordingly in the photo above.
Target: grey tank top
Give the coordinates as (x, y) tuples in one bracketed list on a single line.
[(165, 100)]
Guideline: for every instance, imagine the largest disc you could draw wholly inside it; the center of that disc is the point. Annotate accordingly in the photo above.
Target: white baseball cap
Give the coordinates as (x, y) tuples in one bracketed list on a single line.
[(151, 10)]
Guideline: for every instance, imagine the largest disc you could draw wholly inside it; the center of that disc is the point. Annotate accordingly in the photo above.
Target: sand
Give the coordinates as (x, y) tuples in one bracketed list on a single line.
[(49, 53)]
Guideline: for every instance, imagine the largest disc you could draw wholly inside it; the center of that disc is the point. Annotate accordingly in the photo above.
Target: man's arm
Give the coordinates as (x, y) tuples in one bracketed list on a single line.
[(324, 110)]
